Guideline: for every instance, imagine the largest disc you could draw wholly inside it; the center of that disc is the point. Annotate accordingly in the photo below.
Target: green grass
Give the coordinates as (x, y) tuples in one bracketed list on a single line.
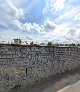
[(17, 87)]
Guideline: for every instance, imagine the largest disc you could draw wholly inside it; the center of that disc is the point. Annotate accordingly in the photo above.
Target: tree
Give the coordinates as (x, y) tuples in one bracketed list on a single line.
[(78, 44), (49, 43), (73, 45)]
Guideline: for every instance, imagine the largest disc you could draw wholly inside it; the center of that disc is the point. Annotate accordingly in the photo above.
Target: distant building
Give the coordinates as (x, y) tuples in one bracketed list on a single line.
[(2, 42), (56, 44), (26, 43), (31, 43), (17, 41), (42, 44)]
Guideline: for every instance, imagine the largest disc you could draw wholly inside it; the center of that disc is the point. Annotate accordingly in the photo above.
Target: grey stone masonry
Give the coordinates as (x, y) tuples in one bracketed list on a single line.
[(25, 64)]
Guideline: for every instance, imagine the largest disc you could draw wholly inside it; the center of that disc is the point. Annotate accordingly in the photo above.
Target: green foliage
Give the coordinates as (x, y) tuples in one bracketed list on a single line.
[(72, 44), (49, 43), (16, 87)]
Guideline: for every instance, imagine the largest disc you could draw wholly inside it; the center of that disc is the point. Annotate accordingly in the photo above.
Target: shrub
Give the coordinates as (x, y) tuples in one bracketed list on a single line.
[(17, 87), (49, 43)]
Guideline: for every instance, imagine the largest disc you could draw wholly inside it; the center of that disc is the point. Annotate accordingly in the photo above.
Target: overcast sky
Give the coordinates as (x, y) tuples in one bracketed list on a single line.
[(40, 20)]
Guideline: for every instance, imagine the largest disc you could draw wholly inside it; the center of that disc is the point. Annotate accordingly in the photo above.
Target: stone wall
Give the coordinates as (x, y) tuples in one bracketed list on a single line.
[(26, 64)]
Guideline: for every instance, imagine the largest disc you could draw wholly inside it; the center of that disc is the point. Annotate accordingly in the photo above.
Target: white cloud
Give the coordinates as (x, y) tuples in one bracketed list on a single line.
[(27, 26), (49, 25), (61, 33), (9, 13), (37, 28), (46, 7), (77, 17), (58, 5), (63, 29), (71, 14)]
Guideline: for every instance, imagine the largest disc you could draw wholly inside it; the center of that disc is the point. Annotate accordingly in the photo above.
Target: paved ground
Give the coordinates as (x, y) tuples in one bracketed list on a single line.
[(56, 83), (71, 88)]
